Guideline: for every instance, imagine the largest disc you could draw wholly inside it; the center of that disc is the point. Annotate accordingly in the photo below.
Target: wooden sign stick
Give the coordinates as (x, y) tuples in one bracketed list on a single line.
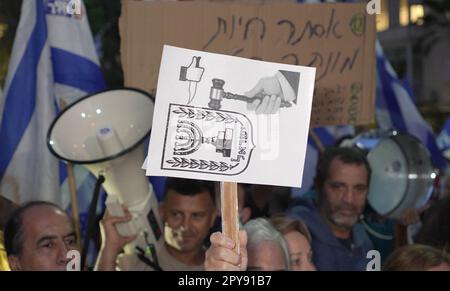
[(230, 217)]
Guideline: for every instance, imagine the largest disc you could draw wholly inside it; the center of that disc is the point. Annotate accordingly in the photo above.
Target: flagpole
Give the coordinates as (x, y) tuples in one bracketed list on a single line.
[(316, 140), (73, 193), (74, 201)]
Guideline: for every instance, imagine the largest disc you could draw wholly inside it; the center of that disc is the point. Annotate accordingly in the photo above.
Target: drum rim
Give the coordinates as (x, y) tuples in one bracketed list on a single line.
[(408, 166), (396, 138)]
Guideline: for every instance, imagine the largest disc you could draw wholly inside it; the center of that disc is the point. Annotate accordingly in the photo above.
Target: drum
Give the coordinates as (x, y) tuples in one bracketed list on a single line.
[(402, 175)]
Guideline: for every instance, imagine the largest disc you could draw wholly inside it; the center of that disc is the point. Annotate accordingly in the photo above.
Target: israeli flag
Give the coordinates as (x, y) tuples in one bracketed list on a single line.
[(53, 61), (328, 136), (395, 109)]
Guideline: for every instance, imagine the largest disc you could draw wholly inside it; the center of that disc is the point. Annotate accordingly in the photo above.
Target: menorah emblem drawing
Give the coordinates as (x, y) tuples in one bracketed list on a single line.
[(190, 138), (207, 140)]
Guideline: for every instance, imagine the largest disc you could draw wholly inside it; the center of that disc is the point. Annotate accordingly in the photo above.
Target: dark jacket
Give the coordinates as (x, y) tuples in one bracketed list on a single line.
[(329, 254)]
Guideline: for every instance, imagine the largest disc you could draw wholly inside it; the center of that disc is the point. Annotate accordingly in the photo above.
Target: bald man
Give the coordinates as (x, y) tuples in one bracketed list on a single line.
[(38, 237)]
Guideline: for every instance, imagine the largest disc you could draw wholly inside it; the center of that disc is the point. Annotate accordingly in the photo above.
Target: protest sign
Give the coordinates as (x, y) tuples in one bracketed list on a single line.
[(338, 39), (225, 118)]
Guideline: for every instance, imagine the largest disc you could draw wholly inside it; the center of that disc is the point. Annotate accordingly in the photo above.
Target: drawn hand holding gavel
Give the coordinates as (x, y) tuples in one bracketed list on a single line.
[(267, 95)]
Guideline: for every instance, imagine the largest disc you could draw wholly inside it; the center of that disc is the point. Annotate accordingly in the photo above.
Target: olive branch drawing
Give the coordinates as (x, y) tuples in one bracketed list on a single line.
[(207, 115), (200, 164)]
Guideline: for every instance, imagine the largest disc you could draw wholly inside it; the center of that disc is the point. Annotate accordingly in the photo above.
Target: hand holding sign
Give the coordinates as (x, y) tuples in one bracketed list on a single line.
[(222, 255)]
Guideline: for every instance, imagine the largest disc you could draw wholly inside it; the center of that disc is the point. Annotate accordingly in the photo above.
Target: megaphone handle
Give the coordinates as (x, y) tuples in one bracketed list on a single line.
[(91, 219), (230, 218)]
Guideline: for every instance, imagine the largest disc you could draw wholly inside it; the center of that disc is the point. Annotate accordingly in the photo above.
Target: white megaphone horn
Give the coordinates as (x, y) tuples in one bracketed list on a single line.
[(105, 132)]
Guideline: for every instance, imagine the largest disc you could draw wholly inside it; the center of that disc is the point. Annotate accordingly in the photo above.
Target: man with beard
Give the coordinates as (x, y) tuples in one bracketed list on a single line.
[(339, 242), (188, 212)]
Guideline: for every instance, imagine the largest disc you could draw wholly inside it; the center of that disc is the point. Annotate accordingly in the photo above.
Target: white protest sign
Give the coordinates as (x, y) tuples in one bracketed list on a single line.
[(214, 120)]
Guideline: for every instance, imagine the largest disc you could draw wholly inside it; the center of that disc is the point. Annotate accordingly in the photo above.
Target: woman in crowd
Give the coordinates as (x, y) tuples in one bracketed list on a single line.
[(418, 258), (298, 239)]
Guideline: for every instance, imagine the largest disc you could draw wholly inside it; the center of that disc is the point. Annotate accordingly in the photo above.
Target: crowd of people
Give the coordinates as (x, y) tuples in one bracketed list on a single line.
[(322, 230)]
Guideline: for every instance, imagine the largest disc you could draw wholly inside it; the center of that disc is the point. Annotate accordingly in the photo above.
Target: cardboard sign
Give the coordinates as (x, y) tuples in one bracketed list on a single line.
[(225, 118), (337, 39)]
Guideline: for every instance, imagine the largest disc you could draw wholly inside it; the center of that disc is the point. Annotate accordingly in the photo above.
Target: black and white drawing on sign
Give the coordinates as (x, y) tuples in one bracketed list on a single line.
[(192, 74), (283, 85), (190, 139), (206, 140)]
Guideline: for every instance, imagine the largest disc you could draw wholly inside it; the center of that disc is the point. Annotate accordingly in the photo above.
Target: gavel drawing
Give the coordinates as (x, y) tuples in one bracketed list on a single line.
[(217, 94)]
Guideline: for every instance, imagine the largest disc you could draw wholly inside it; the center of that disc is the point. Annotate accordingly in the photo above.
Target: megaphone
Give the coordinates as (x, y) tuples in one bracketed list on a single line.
[(402, 172), (105, 132)]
